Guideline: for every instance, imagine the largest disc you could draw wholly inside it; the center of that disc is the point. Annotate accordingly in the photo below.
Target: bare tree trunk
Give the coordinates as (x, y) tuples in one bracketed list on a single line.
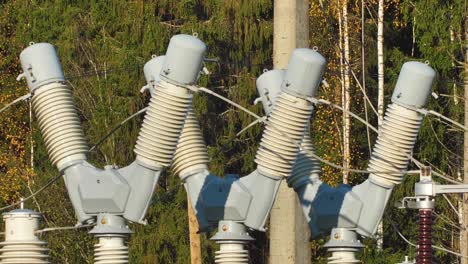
[(381, 92), (289, 231), (347, 95), (195, 244), (463, 232), (380, 61)]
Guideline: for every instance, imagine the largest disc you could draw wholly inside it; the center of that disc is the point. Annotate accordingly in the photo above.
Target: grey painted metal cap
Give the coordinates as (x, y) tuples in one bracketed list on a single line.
[(184, 58), (152, 69), (41, 65), (22, 212), (304, 73), (414, 84), (269, 87)]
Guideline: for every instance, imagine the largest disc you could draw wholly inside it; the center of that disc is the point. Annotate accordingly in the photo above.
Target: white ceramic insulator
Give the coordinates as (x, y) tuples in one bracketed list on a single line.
[(345, 257), (21, 243), (191, 153), (111, 250), (163, 124), (232, 253), (59, 123), (394, 144), (306, 165), (24, 252), (285, 129)]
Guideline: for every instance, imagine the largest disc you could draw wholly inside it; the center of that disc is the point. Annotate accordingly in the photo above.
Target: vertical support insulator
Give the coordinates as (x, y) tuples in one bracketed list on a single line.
[(401, 123), (306, 168), (53, 105), (21, 243), (191, 153), (285, 128), (232, 238), (394, 145), (112, 233), (111, 250), (426, 220), (170, 101), (163, 124), (229, 253)]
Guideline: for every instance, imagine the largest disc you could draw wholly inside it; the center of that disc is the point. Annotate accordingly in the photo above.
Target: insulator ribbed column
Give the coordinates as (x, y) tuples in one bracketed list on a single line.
[(59, 123), (285, 129), (191, 153), (163, 124), (232, 253), (111, 250), (425, 237), (306, 165), (21, 244), (394, 145)]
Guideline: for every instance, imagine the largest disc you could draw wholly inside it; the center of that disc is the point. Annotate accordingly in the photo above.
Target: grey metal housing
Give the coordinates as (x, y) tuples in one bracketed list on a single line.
[(123, 192), (361, 207), (249, 199)]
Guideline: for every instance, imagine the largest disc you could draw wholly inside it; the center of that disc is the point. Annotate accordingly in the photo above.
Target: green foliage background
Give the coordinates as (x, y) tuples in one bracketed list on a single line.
[(103, 45)]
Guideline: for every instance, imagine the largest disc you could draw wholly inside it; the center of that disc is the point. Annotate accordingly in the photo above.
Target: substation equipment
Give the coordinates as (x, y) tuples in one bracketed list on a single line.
[(170, 136)]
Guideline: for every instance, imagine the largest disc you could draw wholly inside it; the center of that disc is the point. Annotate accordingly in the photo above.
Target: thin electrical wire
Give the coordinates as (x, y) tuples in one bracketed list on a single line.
[(451, 205), (445, 177), (49, 183), (49, 229), (434, 113), (363, 62), (447, 220), (395, 228), (141, 111), (312, 100), (17, 100)]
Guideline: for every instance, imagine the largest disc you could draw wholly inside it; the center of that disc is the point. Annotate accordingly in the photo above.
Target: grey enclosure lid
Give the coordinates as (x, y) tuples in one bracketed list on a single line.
[(41, 65), (414, 84), (304, 73), (184, 58)]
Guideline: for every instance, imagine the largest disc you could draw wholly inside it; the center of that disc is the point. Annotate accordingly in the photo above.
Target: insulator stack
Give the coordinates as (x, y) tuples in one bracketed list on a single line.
[(21, 244), (191, 153), (306, 165), (426, 220), (59, 123), (53, 105), (232, 253), (284, 131), (163, 124), (394, 145), (111, 250)]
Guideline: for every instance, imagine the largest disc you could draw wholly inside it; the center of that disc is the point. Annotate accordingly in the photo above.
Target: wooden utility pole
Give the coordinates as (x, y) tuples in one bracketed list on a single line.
[(195, 245), (289, 232)]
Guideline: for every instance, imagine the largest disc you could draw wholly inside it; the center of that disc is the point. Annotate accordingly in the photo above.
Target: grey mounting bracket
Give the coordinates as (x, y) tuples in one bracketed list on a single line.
[(426, 189), (343, 245)]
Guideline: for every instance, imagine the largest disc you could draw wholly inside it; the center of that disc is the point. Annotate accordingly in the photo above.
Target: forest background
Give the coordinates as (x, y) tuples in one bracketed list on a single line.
[(103, 46)]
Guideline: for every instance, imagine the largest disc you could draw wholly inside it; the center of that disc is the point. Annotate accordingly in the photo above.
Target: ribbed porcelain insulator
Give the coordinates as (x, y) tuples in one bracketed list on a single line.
[(232, 253), (163, 124), (191, 153), (59, 123), (343, 258), (286, 125), (394, 145), (111, 250), (306, 166), (22, 245), (24, 252)]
